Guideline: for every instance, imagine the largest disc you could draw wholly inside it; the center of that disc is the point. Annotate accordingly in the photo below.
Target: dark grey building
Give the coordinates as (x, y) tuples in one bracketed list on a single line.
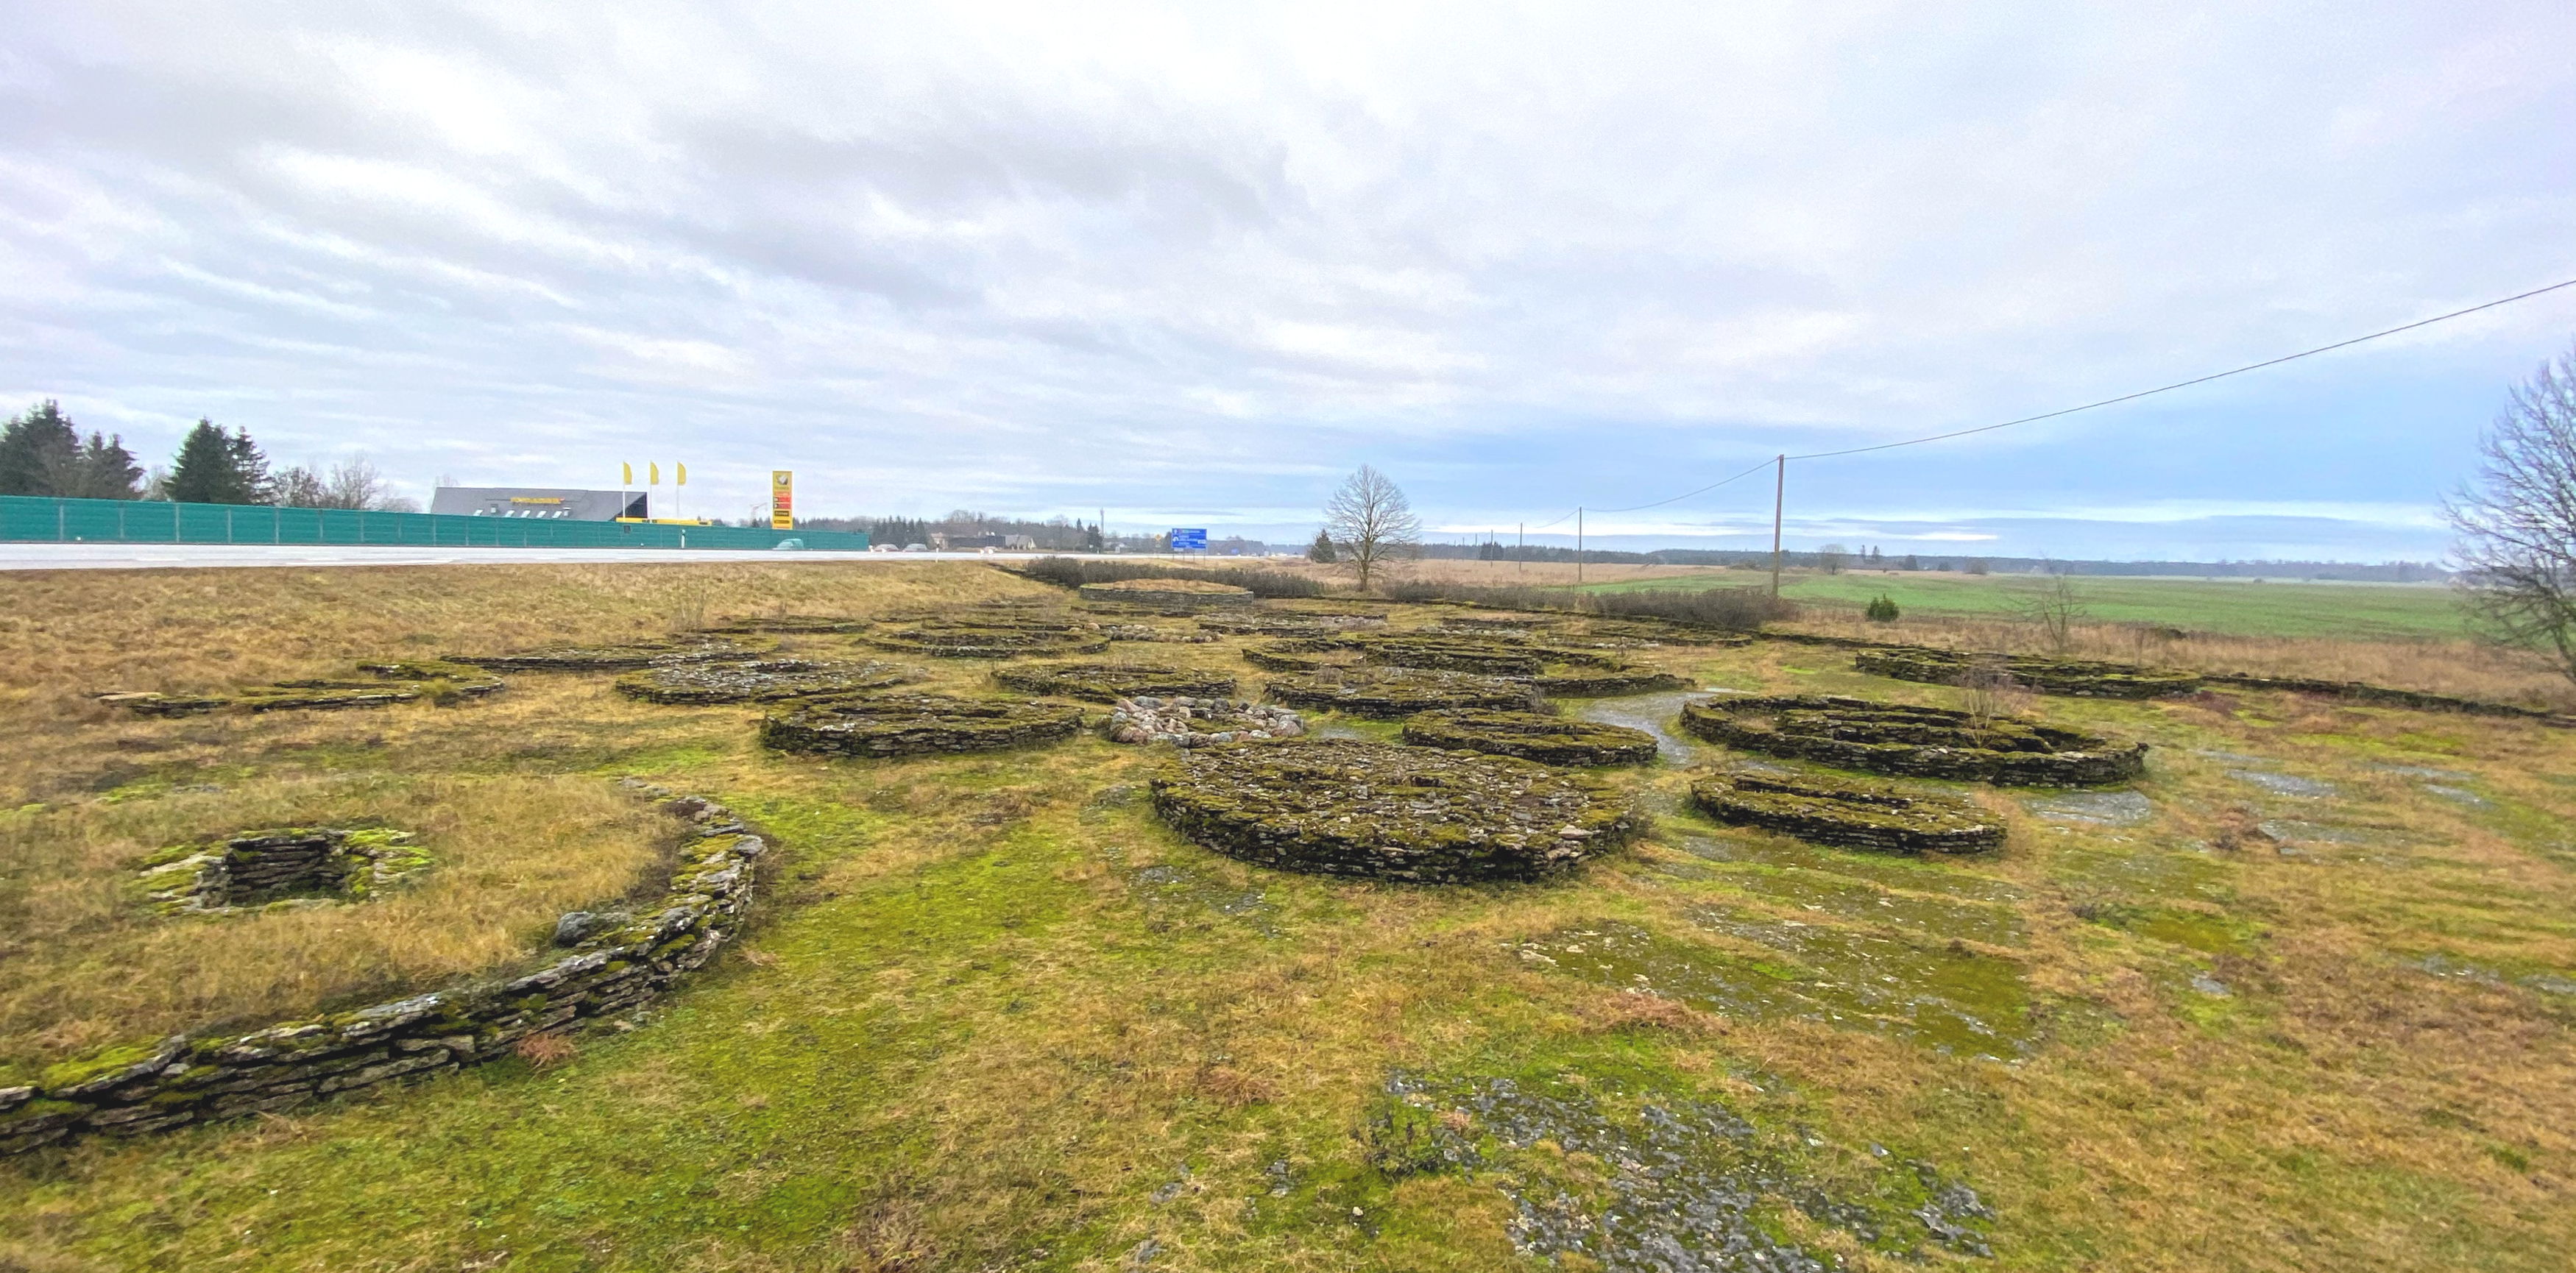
[(537, 502)]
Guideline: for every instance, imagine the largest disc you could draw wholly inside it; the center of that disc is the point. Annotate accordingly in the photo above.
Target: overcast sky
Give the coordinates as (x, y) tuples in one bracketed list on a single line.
[(1192, 264)]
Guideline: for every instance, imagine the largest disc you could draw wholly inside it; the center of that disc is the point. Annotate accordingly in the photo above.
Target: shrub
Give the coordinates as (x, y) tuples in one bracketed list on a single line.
[(1073, 572), (1882, 608), (1728, 609)]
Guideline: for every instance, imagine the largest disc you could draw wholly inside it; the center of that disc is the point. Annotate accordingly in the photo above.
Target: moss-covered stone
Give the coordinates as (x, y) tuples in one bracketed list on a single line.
[(1549, 740), (1848, 814), (915, 724), (1342, 807), (1611, 682), (956, 640), (793, 624), (2076, 677), (613, 658), (1918, 742), (1277, 624), (387, 684), (287, 866), (1398, 691), (761, 681), (1109, 682)]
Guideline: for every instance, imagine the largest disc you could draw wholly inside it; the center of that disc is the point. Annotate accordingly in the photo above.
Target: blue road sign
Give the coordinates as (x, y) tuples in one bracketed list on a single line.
[(1189, 540)]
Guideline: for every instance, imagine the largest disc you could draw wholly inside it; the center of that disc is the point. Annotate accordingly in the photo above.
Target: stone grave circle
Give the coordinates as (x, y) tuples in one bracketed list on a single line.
[(1915, 742), (1274, 623), (1344, 807), (1110, 682), (914, 724), (761, 681), (1399, 691), (1167, 594), (398, 682), (612, 658), (2080, 678), (1186, 721), (1850, 814), (1549, 740), (294, 866), (989, 640)]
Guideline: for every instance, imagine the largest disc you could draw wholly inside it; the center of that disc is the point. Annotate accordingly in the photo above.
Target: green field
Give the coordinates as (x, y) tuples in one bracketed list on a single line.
[(2351, 611)]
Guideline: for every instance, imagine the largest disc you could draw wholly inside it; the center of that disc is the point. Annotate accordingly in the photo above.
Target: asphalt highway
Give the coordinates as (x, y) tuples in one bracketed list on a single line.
[(178, 556)]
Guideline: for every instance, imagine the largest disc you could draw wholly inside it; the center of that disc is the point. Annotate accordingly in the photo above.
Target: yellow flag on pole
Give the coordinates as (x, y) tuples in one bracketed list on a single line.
[(682, 475), (654, 470), (629, 471)]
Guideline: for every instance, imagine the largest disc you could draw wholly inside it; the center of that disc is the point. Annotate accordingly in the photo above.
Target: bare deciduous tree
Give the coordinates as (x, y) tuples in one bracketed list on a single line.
[(1371, 524), (2517, 521), (1831, 558), (2055, 609)]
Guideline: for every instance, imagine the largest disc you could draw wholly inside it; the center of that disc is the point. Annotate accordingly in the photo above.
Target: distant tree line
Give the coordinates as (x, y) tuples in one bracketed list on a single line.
[(43, 453), (1833, 557)]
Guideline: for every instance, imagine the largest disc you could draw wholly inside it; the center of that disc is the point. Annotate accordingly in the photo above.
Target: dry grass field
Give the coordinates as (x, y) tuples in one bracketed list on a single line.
[(2299, 999)]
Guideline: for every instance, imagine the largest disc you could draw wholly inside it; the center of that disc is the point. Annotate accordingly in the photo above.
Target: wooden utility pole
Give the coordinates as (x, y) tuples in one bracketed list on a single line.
[(1578, 546), (1520, 550), (1779, 489)]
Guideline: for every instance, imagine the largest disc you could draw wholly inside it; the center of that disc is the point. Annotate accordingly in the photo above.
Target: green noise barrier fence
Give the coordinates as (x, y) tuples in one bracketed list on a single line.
[(26, 518)]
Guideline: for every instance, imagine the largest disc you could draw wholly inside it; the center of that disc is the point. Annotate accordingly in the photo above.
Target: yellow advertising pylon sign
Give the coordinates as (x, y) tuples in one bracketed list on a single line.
[(782, 500)]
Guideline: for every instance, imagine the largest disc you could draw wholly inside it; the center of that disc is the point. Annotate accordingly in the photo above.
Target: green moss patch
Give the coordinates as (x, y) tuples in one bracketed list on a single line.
[(915, 724), (2075, 677), (1549, 740), (293, 866), (761, 681), (1342, 807), (1917, 742), (1389, 692), (1109, 682), (1851, 815)]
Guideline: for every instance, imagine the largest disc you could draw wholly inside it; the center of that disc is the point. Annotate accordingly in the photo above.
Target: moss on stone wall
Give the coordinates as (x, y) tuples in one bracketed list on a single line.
[(1390, 692), (1109, 682), (615, 658), (1549, 740), (1919, 742), (761, 681), (914, 724), (2076, 677), (1355, 808), (388, 684), (1848, 814)]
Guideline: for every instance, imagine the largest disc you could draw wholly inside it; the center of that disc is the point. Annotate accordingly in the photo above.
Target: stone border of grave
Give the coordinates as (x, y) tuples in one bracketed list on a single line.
[(1344, 807), (1849, 814), (202, 878), (959, 641), (612, 658), (761, 681), (2078, 678), (395, 682), (1549, 740), (181, 1080), (1277, 624), (1917, 742), (1399, 691), (791, 625), (1152, 634), (1606, 684), (1185, 721), (1167, 594), (1110, 682), (888, 725)]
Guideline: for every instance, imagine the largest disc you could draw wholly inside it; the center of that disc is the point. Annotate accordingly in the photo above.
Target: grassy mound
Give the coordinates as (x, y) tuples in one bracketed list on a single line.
[(2076, 677), (1398, 691), (1109, 682), (1918, 742), (760, 681), (1849, 814), (915, 724), (1549, 740), (1341, 807)]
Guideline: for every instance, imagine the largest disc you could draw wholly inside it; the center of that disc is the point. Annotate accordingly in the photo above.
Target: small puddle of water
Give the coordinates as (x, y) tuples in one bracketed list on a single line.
[(1653, 713)]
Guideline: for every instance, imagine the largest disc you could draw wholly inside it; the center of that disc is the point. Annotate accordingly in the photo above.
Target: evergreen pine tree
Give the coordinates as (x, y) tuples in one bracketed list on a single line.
[(1322, 549), (106, 470), (38, 451), (212, 468)]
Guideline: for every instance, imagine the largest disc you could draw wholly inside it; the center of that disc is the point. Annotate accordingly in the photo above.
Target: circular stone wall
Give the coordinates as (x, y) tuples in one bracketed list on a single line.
[(914, 724), (762, 681), (1398, 691), (608, 658), (1918, 742), (1549, 740), (2075, 677), (978, 641), (1288, 625), (1198, 722), (1109, 682), (1341, 807), (1850, 814), (1168, 594)]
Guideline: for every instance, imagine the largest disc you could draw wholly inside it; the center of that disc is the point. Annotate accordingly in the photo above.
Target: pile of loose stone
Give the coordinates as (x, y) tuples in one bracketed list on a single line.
[(887, 725), (615, 966), (1198, 722), (1851, 814), (1549, 740), (385, 685), (2077, 677), (761, 680), (1917, 742), (1344, 807), (1110, 682)]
